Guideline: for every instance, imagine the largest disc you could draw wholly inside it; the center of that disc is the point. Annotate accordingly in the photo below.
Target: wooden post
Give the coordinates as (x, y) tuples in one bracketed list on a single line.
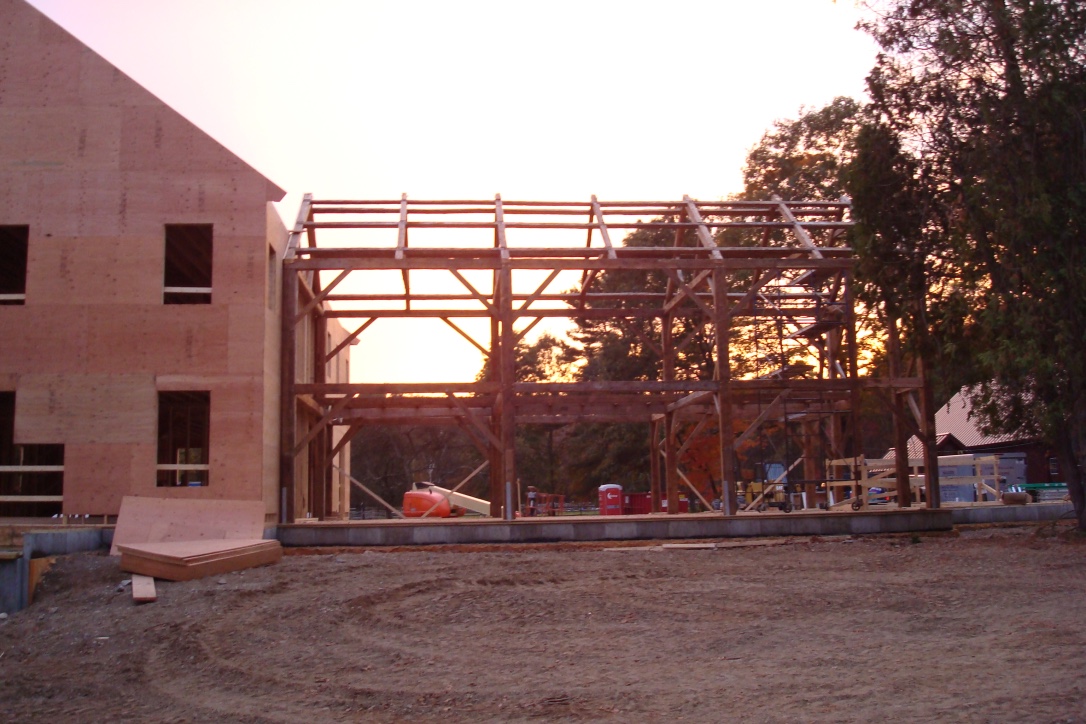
[(901, 435), (729, 503), (507, 358), (855, 398), (671, 447), (812, 460), (654, 464), (671, 452), (494, 454), (931, 452)]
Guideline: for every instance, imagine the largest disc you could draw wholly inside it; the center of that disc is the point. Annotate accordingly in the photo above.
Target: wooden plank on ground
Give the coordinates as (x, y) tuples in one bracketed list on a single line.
[(146, 520), (143, 589)]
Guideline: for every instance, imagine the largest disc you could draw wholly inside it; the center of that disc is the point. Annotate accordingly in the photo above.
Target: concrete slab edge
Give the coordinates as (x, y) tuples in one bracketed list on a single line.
[(599, 529)]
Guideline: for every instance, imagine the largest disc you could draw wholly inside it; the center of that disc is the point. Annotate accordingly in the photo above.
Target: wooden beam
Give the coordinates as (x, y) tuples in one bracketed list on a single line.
[(468, 337), (367, 491), (603, 227), (752, 429), (348, 339)]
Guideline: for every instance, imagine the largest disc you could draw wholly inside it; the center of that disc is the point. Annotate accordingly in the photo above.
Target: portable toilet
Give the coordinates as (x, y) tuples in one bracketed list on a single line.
[(611, 499)]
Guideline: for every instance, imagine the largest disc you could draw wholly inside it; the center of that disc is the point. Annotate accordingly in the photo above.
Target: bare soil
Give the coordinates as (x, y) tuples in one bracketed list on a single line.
[(983, 626)]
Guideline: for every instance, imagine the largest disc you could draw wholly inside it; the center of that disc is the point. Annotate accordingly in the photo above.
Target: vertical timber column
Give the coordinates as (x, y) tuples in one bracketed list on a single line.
[(322, 445), (654, 464), (671, 448), (901, 436), (931, 453), (507, 356), (813, 463), (288, 406), (729, 504), (497, 484), (853, 372)]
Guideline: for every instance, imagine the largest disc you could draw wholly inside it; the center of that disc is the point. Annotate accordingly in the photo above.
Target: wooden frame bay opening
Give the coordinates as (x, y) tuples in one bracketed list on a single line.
[(716, 276)]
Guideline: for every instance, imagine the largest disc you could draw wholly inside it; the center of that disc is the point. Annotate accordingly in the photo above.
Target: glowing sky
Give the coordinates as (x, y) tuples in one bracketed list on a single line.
[(556, 100)]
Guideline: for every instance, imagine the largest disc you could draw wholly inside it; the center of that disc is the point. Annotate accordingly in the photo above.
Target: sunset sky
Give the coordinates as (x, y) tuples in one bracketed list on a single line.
[(557, 100)]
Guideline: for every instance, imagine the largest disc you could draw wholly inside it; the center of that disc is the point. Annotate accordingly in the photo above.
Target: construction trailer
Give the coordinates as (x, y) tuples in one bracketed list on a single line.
[(140, 271), (494, 269)]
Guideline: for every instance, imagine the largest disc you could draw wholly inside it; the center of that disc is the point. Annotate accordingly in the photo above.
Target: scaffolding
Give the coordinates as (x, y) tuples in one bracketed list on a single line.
[(726, 269)]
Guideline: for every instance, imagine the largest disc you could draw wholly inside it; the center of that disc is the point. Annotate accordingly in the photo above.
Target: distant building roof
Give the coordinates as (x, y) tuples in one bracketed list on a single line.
[(955, 422)]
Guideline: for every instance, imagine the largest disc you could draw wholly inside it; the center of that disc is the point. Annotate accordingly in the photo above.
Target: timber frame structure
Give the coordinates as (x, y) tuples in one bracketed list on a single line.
[(788, 270)]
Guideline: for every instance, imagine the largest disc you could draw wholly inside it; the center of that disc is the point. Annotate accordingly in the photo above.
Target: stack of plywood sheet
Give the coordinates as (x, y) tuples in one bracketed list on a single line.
[(186, 560), (180, 540)]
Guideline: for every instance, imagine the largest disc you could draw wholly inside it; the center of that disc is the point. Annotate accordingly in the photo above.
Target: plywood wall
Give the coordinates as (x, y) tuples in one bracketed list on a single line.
[(96, 166)]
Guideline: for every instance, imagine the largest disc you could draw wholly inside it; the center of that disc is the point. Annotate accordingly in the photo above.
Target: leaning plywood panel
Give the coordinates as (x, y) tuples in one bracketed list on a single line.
[(97, 477), (153, 520), (85, 409)]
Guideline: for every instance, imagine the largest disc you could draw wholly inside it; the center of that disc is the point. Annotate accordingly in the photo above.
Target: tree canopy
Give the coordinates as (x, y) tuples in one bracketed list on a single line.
[(970, 185)]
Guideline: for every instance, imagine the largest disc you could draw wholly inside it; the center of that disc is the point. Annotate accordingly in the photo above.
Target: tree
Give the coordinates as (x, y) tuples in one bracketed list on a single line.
[(803, 158), (977, 146)]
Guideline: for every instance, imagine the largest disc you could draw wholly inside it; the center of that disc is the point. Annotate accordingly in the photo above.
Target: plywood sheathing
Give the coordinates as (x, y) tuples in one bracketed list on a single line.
[(57, 408), (98, 476), (95, 165), (188, 560), (154, 520)]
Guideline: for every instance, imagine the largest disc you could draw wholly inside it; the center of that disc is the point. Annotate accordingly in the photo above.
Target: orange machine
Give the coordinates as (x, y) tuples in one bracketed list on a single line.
[(417, 502)]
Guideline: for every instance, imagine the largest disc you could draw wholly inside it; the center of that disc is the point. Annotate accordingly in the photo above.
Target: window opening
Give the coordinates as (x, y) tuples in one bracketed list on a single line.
[(14, 241), (31, 476), (187, 275), (184, 425)]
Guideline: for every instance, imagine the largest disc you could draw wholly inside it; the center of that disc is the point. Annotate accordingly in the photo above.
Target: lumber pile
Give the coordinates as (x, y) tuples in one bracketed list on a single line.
[(186, 560), (179, 540)]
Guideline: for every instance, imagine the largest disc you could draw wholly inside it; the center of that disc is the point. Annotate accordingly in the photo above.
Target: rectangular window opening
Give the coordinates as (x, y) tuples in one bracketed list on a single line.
[(184, 426), (31, 476), (187, 276), (14, 241)]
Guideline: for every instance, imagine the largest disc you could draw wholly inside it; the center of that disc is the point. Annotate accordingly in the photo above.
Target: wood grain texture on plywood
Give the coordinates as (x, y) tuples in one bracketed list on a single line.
[(98, 476), (182, 561), (37, 340), (85, 409)]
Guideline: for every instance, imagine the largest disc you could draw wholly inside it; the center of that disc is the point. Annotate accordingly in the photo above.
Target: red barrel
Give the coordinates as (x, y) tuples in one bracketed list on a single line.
[(611, 499)]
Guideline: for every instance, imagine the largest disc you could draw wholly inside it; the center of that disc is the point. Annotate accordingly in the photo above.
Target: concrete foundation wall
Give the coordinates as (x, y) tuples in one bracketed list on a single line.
[(415, 532)]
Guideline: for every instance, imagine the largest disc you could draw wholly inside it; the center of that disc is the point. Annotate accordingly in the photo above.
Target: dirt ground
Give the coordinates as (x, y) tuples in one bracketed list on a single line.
[(984, 625)]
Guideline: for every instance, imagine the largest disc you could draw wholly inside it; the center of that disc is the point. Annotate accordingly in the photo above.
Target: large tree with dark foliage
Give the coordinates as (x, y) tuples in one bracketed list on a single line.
[(970, 182)]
